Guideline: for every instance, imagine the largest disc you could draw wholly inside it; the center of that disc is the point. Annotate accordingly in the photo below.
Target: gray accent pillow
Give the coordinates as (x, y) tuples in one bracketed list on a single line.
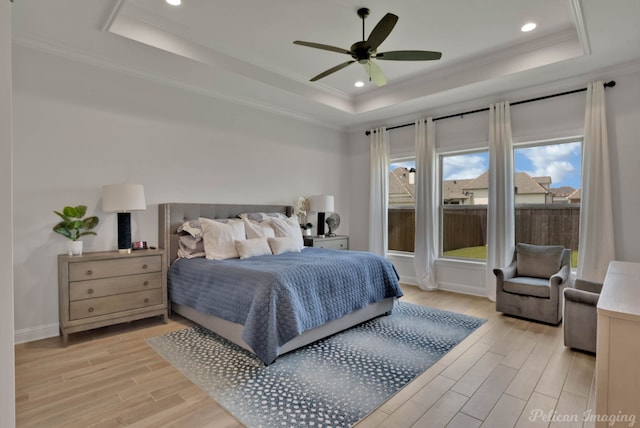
[(538, 261)]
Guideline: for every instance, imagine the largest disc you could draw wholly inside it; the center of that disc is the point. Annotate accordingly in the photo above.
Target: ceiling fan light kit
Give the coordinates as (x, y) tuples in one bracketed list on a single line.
[(363, 52)]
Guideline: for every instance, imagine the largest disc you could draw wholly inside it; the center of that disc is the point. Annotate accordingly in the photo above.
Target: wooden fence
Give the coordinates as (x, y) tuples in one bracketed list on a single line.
[(466, 226)]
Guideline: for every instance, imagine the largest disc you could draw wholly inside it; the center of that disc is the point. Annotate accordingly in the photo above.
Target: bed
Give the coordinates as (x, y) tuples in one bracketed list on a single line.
[(282, 302)]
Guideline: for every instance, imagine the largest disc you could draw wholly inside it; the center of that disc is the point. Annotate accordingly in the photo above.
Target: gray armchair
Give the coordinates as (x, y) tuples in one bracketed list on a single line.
[(531, 286), (580, 315)]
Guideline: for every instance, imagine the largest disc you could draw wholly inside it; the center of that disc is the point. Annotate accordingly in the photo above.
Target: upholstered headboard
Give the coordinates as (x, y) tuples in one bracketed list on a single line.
[(172, 215)]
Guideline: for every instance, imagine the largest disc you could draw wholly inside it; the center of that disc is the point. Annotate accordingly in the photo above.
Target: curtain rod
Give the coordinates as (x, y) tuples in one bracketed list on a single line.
[(610, 84)]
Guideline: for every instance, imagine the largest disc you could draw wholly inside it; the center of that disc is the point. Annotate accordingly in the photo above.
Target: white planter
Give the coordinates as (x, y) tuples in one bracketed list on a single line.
[(306, 232), (74, 248)]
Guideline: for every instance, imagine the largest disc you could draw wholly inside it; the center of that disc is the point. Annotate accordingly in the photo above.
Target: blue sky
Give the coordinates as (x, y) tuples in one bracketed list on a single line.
[(559, 161)]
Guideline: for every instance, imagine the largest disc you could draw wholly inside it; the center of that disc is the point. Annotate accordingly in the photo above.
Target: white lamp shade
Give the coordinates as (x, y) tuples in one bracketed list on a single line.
[(123, 197), (322, 203)]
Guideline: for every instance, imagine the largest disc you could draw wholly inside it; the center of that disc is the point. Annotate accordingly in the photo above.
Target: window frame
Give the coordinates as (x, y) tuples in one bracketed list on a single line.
[(395, 160), (441, 204), (549, 142)]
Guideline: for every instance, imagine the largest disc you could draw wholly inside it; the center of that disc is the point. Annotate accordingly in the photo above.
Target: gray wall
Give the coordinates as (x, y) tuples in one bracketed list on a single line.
[(7, 390), (78, 127)]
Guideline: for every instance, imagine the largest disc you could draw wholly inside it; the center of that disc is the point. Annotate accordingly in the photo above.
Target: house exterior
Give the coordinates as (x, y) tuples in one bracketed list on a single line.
[(528, 190), (561, 194), (402, 189)]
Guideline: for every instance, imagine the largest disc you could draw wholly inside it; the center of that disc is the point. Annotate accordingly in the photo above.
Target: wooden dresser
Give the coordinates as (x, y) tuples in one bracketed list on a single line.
[(618, 346), (104, 288)]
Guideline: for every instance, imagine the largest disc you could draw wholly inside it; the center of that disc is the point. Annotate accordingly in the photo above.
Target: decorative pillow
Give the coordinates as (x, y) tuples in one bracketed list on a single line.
[(258, 230), (219, 242), (253, 247), (538, 261), (288, 227), (284, 244), (192, 227), (190, 247), (237, 225)]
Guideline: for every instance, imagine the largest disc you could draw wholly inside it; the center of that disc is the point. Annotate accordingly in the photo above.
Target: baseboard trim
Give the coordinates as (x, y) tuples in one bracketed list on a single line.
[(461, 288), (448, 286), (36, 333)]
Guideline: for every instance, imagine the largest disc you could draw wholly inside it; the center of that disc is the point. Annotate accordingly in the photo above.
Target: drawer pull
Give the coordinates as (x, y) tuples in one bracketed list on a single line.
[(146, 283), (90, 291), (90, 309), (146, 300), (89, 272), (144, 266)]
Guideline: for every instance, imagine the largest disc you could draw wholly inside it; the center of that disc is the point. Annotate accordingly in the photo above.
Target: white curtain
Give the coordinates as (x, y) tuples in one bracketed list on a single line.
[(500, 215), (596, 248), (378, 190), (426, 205)]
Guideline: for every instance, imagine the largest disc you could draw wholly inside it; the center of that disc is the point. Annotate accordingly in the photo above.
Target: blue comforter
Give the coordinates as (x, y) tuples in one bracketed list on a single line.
[(277, 297)]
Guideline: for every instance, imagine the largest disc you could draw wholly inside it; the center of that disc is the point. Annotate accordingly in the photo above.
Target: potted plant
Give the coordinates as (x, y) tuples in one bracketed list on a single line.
[(74, 226)]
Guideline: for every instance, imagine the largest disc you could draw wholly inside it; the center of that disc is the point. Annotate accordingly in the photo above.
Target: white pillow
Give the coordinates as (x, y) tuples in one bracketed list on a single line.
[(237, 225), (284, 244), (253, 247), (219, 242), (288, 228), (258, 230)]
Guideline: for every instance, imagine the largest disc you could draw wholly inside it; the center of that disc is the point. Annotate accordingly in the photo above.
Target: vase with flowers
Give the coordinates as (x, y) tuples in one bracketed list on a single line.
[(300, 209)]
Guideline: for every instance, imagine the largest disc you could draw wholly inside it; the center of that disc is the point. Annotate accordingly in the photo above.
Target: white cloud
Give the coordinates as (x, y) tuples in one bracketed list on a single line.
[(552, 160), (463, 166)]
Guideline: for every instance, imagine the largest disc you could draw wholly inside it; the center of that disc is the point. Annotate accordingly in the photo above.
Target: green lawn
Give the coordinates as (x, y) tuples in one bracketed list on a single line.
[(468, 253), (481, 253)]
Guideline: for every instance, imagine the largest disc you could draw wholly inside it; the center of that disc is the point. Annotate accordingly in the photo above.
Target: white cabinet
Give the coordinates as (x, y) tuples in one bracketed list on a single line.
[(618, 346), (338, 242)]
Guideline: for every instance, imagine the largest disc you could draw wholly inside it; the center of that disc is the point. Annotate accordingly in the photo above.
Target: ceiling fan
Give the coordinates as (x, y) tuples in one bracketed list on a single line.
[(363, 52)]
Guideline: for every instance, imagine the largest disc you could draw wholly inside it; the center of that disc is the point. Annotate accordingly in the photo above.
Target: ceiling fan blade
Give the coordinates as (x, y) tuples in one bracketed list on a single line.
[(409, 55), (323, 47), (375, 73), (331, 70), (382, 30)]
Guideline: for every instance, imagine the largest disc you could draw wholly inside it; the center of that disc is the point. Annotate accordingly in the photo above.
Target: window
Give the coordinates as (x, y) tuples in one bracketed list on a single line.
[(463, 211), (547, 193), (402, 205)]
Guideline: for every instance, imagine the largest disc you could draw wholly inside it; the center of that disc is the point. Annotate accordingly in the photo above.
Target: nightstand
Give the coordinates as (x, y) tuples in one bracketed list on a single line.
[(104, 288), (338, 242)]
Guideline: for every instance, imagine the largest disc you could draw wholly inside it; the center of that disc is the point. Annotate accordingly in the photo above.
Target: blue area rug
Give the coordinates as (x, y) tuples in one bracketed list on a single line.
[(331, 383)]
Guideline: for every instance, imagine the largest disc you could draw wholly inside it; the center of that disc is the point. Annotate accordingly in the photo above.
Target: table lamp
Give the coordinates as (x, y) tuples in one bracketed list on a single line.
[(123, 198), (321, 204)]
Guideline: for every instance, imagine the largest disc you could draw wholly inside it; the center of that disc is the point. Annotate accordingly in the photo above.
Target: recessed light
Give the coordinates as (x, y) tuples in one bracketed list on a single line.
[(358, 84), (174, 2), (529, 26)]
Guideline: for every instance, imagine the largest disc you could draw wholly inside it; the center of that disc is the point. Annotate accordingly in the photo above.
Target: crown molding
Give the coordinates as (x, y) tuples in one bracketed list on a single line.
[(578, 19)]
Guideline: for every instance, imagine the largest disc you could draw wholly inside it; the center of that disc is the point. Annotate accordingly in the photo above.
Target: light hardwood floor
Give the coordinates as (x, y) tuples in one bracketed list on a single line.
[(502, 375)]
